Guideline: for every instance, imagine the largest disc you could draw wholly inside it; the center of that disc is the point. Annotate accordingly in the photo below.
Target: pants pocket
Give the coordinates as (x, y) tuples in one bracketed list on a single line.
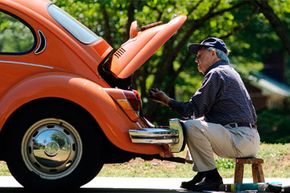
[(247, 145)]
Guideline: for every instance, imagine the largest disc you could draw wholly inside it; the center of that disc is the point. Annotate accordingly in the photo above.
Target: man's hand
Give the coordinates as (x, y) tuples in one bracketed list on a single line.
[(158, 96)]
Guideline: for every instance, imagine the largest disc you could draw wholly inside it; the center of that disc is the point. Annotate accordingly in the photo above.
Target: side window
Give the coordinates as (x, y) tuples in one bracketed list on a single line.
[(15, 36)]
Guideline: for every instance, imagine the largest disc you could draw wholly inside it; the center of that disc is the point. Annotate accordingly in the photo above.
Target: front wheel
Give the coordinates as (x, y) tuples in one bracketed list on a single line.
[(54, 148)]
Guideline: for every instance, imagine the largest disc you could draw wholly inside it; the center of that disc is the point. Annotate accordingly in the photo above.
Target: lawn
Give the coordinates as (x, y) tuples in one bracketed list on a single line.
[(276, 158)]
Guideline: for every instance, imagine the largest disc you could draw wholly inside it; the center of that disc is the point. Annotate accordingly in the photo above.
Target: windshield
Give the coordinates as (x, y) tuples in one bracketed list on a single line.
[(78, 30)]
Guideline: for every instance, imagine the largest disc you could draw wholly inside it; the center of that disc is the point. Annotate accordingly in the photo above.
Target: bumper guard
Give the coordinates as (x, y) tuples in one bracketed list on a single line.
[(173, 136)]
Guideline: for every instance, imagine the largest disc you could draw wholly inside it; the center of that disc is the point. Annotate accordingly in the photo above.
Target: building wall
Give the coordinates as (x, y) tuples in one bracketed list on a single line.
[(262, 100)]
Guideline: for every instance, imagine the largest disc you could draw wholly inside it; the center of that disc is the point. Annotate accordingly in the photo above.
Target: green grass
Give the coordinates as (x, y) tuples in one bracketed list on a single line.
[(276, 158), (3, 169)]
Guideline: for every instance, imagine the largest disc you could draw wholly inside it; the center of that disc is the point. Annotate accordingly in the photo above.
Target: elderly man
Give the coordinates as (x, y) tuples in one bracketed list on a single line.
[(221, 116)]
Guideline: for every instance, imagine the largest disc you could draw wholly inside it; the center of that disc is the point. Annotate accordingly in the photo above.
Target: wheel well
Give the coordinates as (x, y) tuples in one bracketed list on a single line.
[(112, 154)]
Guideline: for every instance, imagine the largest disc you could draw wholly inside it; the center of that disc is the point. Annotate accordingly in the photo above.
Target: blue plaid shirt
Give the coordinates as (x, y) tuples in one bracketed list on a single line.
[(222, 98)]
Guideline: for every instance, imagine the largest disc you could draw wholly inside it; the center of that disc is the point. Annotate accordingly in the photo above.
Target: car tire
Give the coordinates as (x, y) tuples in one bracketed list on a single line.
[(54, 147)]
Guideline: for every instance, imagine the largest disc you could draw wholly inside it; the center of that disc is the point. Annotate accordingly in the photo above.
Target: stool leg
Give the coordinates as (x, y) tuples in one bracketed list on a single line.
[(258, 174), (239, 173)]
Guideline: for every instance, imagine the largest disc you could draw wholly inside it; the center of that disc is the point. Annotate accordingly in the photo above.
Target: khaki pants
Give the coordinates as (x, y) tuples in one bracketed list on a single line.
[(204, 139)]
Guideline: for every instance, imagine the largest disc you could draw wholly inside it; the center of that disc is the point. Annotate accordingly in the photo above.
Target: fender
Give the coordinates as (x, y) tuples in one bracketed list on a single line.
[(83, 92)]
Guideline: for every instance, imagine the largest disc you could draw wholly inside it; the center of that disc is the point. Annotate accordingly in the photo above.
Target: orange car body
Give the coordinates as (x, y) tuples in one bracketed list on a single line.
[(58, 65)]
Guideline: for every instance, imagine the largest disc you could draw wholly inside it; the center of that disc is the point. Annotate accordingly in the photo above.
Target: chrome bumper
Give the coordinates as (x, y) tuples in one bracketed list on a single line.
[(173, 136)]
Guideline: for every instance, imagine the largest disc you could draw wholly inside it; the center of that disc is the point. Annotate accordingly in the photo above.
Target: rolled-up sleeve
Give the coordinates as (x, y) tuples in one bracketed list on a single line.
[(203, 99)]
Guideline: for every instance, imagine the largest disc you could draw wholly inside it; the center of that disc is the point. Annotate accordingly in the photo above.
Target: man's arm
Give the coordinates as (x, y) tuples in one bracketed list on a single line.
[(203, 99), (199, 104)]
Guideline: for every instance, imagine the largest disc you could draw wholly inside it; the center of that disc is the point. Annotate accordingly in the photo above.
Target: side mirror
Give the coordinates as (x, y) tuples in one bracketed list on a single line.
[(133, 29)]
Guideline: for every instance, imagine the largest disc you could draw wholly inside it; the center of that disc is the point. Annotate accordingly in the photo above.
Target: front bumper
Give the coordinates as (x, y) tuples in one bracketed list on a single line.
[(172, 136)]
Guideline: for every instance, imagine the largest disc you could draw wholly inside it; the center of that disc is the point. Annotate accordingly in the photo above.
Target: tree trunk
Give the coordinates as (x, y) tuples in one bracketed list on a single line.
[(107, 28), (131, 17), (274, 20)]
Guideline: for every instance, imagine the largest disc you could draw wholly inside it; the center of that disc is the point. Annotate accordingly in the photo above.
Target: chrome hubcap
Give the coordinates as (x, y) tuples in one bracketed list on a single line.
[(51, 148)]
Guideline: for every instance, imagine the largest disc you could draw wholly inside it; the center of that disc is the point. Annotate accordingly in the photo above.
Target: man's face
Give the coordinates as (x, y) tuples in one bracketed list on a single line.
[(204, 59)]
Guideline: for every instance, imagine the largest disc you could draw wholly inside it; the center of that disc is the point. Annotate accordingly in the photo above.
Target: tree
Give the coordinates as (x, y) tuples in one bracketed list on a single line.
[(274, 20), (240, 23)]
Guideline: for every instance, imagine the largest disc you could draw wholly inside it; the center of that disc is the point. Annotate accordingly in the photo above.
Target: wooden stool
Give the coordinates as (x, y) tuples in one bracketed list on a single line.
[(257, 170)]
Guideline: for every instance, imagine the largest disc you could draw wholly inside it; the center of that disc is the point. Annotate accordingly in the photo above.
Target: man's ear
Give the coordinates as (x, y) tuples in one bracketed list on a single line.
[(213, 53)]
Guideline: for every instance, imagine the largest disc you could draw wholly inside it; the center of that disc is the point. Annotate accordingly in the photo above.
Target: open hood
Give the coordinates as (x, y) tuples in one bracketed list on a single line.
[(142, 45)]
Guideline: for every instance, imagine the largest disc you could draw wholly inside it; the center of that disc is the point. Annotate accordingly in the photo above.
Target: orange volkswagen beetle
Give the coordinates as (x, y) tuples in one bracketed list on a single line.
[(66, 106)]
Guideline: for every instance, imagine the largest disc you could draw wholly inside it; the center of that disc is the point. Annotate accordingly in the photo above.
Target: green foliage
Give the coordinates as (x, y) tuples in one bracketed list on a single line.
[(247, 32), (10, 40), (223, 163), (186, 83), (274, 125)]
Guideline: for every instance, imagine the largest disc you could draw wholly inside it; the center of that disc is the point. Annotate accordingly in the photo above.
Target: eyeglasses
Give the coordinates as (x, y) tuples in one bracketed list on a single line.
[(197, 57)]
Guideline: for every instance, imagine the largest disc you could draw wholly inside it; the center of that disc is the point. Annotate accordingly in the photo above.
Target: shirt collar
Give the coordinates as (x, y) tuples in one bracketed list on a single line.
[(218, 63)]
